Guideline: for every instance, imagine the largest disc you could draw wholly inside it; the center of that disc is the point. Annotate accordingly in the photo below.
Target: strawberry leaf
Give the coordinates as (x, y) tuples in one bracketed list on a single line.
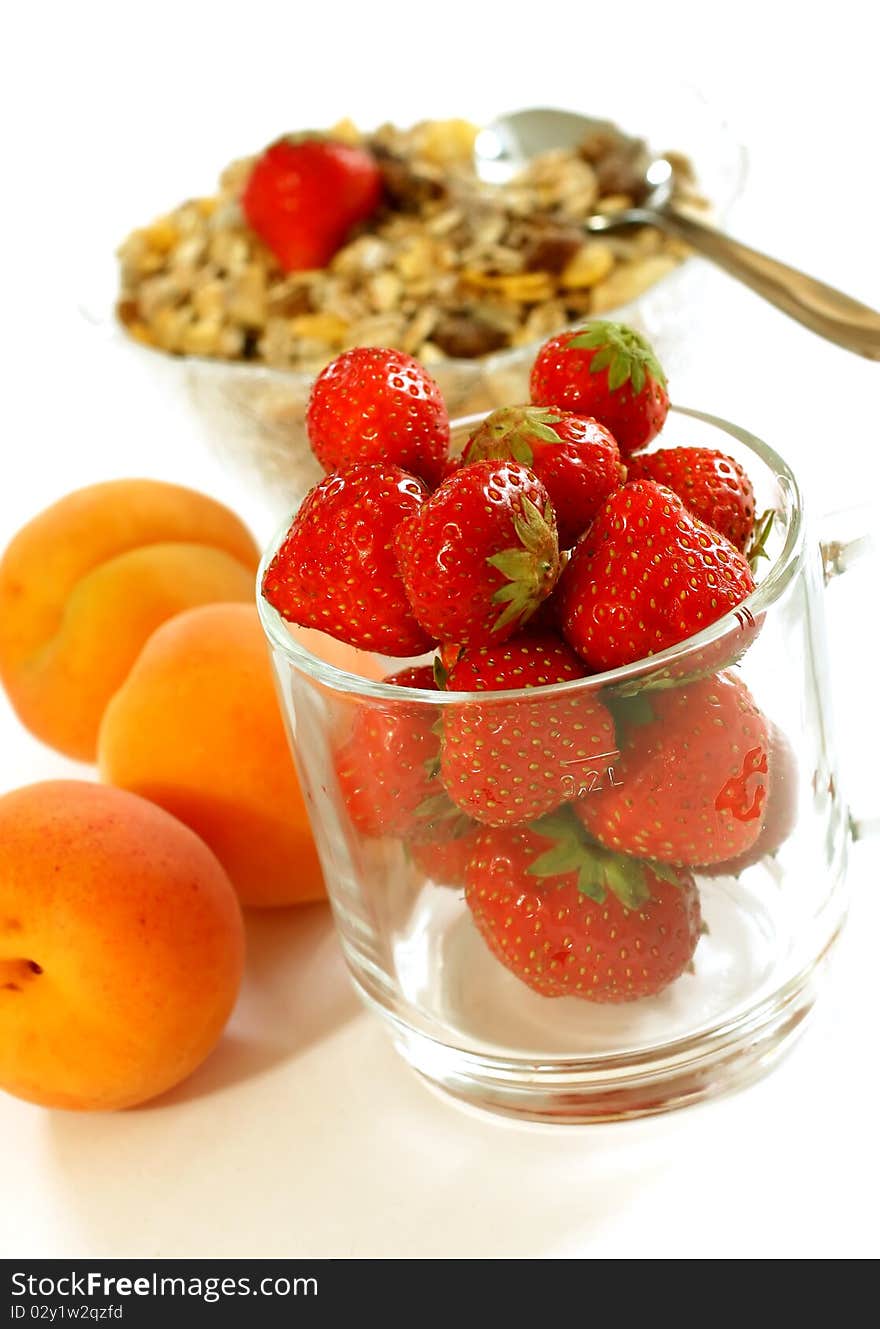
[(558, 825), (758, 546), (441, 674), (619, 372), (638, 711), (594, 334), (661, 682), (664, 871), (626, 878), (622, 351), (571, 852), (511, 432), (543, 428), (588, 884), (520, 450), (601, 360), (516, 564), (436, 807), (531, 570), (562, 858), (517, 611), (629, 711), (598, 870), (534, 530)]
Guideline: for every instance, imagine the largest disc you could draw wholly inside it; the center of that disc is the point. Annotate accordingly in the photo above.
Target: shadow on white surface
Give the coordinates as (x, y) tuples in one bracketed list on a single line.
[(295, 993), (354, 1158)]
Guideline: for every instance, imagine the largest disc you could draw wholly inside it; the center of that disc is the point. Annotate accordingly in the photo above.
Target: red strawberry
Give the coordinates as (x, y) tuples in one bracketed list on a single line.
[(374, 404), (508, 762), (608, 371), (570, 919), (448, 656), (532, 660), (646, 575), (692, 779), (304, 195), (387, 768), (780, 810), (546, 616), (576, 460), (445, 861), (336, 569), (451, 465), (713, 486), (481, 554)]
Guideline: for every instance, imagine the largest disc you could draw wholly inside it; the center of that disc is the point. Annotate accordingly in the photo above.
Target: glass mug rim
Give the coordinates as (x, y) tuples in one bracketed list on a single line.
[(783, 568)]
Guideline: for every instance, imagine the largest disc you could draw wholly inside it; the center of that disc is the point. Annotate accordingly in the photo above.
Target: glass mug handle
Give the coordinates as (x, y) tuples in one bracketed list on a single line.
[(848, 538)]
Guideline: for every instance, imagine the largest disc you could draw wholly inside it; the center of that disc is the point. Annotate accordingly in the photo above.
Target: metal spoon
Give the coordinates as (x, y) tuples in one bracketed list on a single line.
[(504, 147)]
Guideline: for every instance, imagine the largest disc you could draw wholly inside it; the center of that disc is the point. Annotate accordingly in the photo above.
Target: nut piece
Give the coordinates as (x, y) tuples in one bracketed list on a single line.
[(590, 264)]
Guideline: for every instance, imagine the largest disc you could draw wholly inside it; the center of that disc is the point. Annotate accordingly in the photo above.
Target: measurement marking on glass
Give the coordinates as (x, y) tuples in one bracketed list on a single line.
[(597, 756), (592, 779)]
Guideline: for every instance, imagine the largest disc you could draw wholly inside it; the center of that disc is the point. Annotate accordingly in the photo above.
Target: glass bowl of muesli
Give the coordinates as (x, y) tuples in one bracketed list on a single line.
[(467, 276)]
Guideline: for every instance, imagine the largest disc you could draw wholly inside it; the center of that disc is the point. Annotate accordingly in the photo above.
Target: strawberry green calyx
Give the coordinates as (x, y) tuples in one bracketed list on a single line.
[(531, 570), (633, 709), (510, 431), (758, 547), (598, 870), (626, 355)]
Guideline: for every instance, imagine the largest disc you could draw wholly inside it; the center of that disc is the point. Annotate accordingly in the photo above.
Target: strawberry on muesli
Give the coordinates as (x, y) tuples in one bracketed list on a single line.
[(305, 193)]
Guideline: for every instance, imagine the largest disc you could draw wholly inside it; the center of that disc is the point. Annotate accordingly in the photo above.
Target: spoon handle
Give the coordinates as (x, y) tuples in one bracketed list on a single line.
[(819, 307)]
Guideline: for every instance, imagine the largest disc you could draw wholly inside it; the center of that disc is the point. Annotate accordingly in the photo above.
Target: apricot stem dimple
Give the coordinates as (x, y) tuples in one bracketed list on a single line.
[(14, 973)]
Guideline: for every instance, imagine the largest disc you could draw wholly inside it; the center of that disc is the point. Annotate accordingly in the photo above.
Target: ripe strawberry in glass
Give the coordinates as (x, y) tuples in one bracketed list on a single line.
[(608, 371), (576, 459), (376, 404)]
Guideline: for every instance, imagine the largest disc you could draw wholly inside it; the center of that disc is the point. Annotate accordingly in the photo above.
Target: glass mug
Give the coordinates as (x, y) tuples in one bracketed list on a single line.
[(456, 1012)]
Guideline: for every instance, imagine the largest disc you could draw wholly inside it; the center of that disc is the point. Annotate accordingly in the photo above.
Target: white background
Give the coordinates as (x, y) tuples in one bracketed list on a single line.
[(303, 1134)]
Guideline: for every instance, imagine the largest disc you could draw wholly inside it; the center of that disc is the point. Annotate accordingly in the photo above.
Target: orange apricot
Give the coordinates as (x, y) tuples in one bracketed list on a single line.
[(196, 727), (121, 947), (85, 583)]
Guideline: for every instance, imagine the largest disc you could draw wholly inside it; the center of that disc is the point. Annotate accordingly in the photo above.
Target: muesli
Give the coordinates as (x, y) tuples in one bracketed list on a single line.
[(447, 267)]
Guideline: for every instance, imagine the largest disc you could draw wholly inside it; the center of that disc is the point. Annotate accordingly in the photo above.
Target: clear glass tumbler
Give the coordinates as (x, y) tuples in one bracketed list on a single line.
[(452, 1003)]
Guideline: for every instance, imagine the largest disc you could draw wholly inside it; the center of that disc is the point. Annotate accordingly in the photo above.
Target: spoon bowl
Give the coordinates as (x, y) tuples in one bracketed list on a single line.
[(504, 147)]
